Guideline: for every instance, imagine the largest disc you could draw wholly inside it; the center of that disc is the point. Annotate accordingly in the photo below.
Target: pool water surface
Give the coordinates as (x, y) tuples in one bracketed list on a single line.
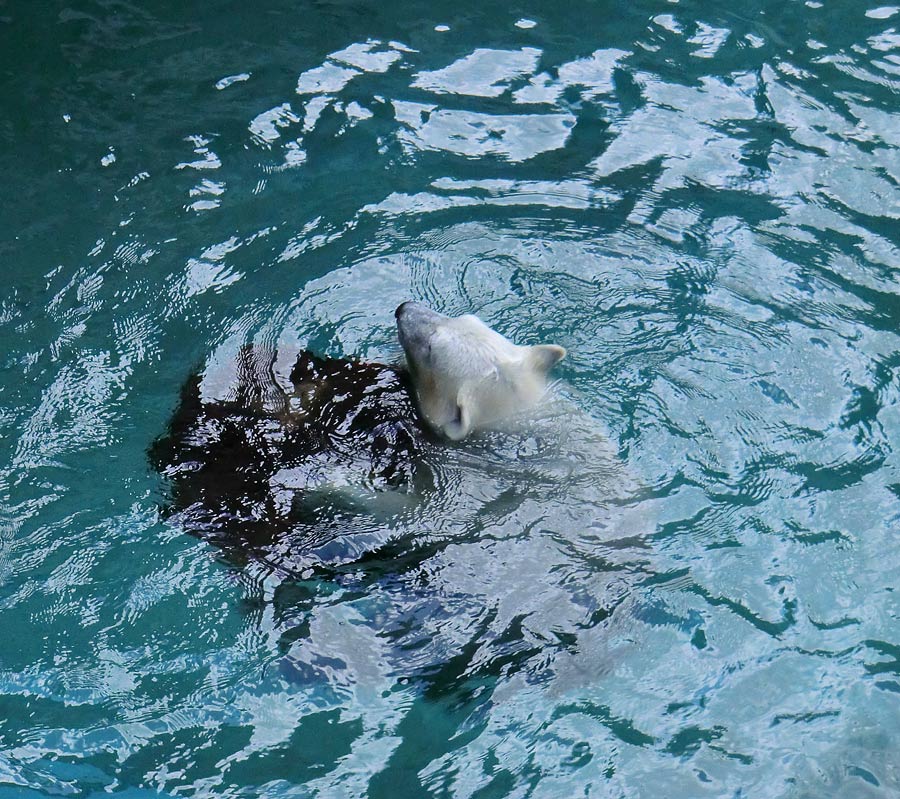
[(676, 579)]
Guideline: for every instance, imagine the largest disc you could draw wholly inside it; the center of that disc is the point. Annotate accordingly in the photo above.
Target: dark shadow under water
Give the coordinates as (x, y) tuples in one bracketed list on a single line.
[(294, 473)]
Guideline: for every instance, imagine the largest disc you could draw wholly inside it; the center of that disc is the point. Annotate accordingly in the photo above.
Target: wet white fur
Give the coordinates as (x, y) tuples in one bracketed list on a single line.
[(466, 375)]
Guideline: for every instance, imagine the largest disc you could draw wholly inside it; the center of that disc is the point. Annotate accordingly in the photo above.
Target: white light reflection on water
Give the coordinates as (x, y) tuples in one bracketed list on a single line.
[(679, 580)]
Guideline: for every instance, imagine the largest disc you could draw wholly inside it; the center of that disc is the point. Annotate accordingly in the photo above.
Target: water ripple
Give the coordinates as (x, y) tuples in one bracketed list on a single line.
[(678, 579)]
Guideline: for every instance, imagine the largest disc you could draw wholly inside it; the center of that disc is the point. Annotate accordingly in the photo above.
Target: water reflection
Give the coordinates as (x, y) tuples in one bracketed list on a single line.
[(678, 581)]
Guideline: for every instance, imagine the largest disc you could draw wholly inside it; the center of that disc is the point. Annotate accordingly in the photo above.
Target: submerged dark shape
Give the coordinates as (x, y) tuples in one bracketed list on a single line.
[(288, 473)]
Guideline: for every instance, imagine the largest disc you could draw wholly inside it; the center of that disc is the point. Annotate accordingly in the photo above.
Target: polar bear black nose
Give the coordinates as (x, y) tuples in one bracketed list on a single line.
[(398, 313)]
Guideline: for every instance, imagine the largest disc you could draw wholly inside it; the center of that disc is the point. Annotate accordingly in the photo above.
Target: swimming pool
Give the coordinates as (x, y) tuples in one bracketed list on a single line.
[(683, 585)]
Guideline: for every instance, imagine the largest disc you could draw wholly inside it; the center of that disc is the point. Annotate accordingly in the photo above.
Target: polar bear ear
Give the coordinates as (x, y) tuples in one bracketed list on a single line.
[(543, 357), (461, 425)]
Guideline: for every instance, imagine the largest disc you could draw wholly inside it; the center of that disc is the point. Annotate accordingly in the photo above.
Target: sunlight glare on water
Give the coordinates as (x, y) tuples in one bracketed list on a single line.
[(677, 579)]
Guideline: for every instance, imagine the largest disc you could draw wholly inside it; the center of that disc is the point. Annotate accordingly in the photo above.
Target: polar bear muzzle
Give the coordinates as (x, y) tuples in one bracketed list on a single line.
[(467, 376)]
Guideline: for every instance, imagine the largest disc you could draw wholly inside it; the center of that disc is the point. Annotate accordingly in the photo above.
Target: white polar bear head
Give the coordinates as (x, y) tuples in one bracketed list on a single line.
[(466, 375)]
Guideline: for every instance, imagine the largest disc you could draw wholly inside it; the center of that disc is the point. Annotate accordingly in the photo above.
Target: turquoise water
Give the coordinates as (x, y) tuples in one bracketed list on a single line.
[(699, 201)]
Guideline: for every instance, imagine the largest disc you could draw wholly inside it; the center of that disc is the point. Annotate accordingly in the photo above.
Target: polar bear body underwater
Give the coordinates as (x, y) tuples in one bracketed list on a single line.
[(273, 467)]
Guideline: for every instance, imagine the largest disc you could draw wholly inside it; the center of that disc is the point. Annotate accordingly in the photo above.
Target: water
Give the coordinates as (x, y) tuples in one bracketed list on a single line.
[(700, 201)]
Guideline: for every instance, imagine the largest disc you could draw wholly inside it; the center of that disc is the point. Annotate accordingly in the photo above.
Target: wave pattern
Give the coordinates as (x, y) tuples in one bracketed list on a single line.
[(679, 580)]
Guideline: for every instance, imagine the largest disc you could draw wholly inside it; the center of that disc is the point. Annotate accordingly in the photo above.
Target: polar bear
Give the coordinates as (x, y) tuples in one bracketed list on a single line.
[(467, 376), (319, 464)]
